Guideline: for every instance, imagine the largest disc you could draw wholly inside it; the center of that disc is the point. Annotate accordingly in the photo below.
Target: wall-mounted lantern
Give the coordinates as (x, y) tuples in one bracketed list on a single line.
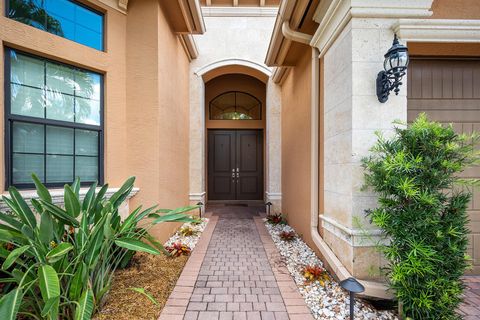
[(395, 67)]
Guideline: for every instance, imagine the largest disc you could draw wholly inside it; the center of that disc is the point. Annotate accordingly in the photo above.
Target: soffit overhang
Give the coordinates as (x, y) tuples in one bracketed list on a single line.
[(298, 14), (329, 17), (185, 16)]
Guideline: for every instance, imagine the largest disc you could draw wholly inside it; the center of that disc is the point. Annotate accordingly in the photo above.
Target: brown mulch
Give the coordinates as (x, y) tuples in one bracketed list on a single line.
[(156, 274)]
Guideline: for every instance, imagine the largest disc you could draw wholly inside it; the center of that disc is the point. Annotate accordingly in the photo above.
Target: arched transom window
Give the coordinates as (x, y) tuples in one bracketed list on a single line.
[(235, 105)]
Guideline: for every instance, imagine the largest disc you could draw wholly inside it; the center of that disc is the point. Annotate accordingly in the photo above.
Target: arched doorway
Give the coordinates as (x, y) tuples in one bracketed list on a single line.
[(203, 73), (235, 119)]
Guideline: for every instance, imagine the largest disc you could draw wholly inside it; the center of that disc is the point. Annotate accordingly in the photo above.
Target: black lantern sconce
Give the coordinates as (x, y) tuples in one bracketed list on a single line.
[(353, 287), (395, 67)]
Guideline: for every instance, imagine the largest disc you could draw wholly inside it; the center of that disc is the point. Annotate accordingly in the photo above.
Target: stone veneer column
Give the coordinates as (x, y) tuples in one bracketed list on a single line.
[(197, 140), (352, 114), (273, 161)]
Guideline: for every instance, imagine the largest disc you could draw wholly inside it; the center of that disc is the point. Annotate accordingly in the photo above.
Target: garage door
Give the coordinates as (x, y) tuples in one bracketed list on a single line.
[(448, 91)]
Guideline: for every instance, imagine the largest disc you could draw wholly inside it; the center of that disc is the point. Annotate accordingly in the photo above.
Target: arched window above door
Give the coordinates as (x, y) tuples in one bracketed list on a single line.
[(235, 105)]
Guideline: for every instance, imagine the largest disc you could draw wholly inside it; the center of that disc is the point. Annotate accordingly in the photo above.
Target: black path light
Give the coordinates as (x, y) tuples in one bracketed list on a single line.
[(200, 206), (268, 204), (353, 287), (395, 67)]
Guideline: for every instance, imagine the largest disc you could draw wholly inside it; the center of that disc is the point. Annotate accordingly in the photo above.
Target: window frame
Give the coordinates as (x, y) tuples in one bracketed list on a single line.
[(79, 3), (235, 92), (9, 118)]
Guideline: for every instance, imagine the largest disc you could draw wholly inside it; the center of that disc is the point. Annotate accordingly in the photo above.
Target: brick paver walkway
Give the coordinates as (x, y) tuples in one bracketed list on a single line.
[(470, 309), (236, 279)]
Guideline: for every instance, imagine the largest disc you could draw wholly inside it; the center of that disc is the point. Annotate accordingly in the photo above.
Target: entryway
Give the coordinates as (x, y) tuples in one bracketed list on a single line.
[(235, 164)]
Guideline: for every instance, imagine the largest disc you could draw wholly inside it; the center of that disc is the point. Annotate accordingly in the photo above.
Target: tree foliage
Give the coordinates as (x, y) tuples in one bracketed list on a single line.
[(422, 211)]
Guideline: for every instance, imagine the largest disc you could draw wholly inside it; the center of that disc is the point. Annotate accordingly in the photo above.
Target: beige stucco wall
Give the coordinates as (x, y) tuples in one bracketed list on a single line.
[(296, 126), (455, 9), (157, 104), (146, 97)]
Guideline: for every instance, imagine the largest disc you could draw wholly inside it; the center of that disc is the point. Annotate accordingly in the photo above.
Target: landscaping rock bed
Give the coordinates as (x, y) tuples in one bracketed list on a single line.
[(157, 275), (325, 302)]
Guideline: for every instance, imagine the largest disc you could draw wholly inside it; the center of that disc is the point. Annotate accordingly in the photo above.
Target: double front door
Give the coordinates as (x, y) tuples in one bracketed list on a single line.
[(235, 165)]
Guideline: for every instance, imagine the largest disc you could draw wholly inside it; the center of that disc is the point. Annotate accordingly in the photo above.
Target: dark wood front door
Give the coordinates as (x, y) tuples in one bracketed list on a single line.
[(235, 165)]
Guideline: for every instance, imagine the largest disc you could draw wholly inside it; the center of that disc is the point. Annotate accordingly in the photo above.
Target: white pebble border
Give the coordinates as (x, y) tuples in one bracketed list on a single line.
[(190, 241), (329, 302)]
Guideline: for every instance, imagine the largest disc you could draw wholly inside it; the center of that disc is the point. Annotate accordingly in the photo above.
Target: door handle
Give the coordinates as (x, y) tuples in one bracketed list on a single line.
[(238, 173)]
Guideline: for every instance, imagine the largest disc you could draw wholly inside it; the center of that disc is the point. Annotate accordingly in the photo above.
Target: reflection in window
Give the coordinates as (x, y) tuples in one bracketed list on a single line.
[(235, 105), (54, 121), (65, 18)]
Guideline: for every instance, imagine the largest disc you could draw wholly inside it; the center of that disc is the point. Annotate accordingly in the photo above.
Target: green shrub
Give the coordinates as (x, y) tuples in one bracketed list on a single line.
[(422, 211), (61, 265)]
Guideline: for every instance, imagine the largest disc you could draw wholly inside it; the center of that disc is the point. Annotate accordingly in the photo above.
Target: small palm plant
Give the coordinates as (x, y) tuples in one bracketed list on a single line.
[(58, 262)]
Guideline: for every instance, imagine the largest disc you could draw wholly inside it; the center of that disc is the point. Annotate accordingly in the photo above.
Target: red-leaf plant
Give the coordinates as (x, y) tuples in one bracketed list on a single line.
[(177, 249)]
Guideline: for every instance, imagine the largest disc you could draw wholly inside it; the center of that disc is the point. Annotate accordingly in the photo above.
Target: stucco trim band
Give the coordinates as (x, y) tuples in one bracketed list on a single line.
[(58, 194), (273, 195), (239, 12), (232, 62), (438, 30)]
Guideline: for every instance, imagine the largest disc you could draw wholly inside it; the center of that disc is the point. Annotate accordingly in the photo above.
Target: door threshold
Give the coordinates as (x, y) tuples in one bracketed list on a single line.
[(239, 203)]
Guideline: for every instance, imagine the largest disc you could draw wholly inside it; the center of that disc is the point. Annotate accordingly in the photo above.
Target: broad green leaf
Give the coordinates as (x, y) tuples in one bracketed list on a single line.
[(60, 214), (155, 243), (46, 228), (28, 232), (10, 303), (135, 245), (48, 282), (59, 251), (176, 217), (23, 210), (148, 295), (128, 222), (118, 197), (42, 191), (50, 306), (95, 243), (78, 282), (76, 187), (85, 307), (144, 213), (89, 198), (37, 205), (8, 236), (184, 209), (72, 205), (12, 257), (10, 220)]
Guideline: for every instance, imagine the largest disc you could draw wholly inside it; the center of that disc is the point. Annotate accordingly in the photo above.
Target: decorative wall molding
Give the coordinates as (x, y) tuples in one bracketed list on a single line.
[(276, 196), (239, 11), (354, 237), (115, 4), (57, 195), (123, 4), (333, 17), (438, 30), (198, 196), (232, 62), (189, 45)]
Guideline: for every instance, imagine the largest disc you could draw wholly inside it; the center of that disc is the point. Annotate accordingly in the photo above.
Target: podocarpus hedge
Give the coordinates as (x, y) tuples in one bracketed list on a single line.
[(422, 211)]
